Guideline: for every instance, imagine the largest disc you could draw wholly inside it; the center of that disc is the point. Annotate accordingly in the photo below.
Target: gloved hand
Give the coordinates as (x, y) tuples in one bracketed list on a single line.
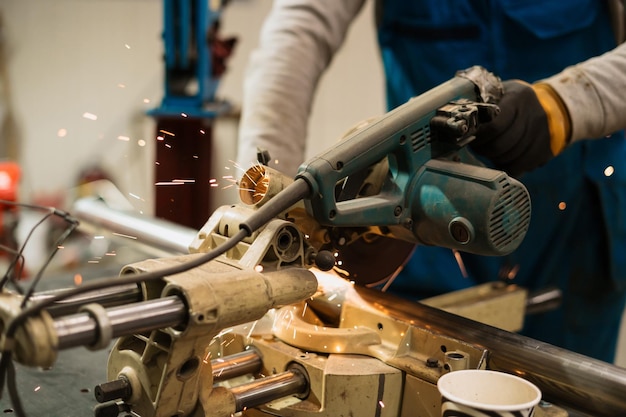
[(532, 127)]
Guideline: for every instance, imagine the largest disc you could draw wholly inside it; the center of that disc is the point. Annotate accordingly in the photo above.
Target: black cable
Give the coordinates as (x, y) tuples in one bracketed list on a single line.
[(7, 274), (18, 273), (37, 278), (12, 388), (51, 211)]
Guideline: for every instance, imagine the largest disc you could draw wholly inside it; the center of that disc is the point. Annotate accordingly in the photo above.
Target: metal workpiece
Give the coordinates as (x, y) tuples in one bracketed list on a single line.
[(564, 377), (156, 233), (425, 342)]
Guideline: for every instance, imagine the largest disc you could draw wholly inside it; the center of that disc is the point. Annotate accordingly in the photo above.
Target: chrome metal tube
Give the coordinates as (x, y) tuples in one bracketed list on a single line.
[(158, 233), (564, 377), (235, 365), (108, 297), (82, 329), (264, 390)]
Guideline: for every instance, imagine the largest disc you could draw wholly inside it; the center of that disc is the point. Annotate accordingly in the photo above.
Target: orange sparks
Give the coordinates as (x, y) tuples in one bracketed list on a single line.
[(165, 132)]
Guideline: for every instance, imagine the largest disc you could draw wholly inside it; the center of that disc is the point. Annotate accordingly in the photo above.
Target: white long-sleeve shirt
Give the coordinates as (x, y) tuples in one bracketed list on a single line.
[(594, 93), (297, 43)]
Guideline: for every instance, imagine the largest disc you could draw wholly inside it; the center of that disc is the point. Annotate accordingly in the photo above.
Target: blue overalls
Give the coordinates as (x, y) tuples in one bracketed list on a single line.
[(577, 236)]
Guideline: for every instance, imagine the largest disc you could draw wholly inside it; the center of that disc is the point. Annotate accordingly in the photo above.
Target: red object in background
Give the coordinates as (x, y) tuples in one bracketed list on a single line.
[(9, 180), (10, 174)]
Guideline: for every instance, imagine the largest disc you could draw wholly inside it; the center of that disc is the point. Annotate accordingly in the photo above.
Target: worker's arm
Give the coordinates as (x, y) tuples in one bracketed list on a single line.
[(593, 94), (538, 121), (296, 45)]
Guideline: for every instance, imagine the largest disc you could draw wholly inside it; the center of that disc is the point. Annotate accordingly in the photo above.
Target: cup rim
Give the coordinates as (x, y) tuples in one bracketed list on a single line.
[(489, 407)]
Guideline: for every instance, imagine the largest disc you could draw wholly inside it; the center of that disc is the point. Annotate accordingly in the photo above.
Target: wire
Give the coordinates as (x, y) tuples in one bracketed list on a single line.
[(37, 278), (7, 274), (51, 211), (12, 388), (18, 273)]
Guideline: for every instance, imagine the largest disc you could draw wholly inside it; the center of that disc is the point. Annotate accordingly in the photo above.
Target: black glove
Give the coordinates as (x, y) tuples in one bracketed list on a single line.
[(518, 139)]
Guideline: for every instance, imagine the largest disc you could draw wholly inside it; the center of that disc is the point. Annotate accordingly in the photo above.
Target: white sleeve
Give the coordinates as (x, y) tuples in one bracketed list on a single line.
[(594, 93), (297, 43)]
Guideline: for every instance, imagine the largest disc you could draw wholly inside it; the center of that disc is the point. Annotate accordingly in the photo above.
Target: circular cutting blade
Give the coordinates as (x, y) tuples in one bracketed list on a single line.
[(374, 261)]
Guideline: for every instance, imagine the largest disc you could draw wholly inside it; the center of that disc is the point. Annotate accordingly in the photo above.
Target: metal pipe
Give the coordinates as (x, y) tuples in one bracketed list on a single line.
[(564, 377), (235, 365), (83, 329), (108, 297), (158, 233), (264, 390)]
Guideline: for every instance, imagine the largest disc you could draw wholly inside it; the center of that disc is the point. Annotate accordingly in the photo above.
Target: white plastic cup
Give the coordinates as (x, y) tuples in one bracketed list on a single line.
[(480, 393)]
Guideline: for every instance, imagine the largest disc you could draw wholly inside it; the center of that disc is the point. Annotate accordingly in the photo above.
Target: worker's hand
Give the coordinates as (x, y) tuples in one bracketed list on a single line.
[(532, 127)]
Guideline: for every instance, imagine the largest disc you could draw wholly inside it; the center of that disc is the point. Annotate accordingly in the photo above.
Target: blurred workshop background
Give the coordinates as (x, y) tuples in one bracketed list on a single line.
[(78, 79)]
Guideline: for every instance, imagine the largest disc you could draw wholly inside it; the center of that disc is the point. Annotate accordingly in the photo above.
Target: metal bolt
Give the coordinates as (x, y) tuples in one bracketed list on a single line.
[(432, 363), (113, 390)]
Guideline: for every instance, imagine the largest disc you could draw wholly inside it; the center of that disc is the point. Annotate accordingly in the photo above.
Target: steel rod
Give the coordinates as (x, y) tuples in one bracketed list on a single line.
[(235, 365), (263, 390), (108, 297), (82, 329)]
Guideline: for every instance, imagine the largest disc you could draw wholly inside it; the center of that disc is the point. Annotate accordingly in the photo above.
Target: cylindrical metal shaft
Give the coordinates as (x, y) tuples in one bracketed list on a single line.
[(108, 297), (264, 390), (158, 233), (82, 329), (238, 364)]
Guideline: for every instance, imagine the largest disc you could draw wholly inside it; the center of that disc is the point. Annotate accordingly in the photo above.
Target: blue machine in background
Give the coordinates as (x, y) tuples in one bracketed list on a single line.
[(194, 58)]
